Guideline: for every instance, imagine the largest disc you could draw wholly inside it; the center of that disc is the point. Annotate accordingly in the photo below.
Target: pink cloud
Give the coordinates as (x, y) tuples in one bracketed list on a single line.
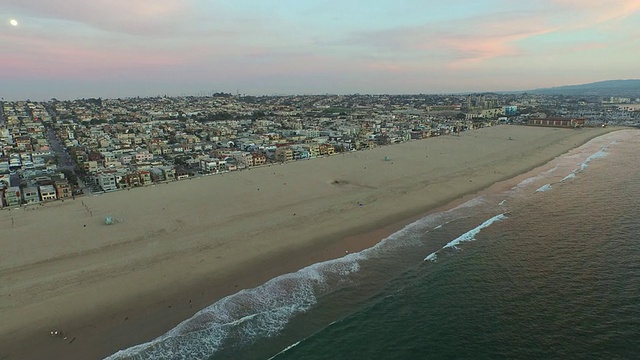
[(470, 41), (490, 36), (46, 57), (480, 47)]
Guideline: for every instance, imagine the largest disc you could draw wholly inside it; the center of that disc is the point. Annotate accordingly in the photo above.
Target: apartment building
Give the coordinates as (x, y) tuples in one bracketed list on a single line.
[(212, 165), (107, 181), (12, 196), (63, 189), (48, 193), (144, 157), (90, 166), (258, 159), (169, 173), (243, 159), (30, 195), (312, 149), (284, 154), (326, 149)]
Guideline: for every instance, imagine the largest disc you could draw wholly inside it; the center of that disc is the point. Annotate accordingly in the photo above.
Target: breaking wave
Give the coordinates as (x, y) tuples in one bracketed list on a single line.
[(468, 236), (247, 315), (544, 188), (244, 317)]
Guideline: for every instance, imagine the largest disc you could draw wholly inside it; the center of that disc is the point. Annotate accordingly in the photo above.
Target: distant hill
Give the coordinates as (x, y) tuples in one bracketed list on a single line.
[(624, 88)]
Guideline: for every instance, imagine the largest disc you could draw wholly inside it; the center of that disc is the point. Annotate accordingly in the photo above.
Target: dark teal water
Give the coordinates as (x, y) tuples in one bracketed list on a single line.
[(554, 274)]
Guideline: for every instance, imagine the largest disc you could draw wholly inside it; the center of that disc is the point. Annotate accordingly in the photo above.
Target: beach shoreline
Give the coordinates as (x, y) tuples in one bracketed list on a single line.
[(113, 287)]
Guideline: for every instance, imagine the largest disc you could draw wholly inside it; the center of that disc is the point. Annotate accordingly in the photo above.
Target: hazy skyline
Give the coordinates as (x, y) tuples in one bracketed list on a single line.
[(119, 48)]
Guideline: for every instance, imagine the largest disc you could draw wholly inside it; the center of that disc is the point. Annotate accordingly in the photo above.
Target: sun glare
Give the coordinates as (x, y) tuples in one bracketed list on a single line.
[(13, 22)]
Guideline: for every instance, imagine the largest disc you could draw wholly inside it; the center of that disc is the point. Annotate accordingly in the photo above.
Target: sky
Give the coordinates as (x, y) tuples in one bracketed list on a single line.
[(69, 49)]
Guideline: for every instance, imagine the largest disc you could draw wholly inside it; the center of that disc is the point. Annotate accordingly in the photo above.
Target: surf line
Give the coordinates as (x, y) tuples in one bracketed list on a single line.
[(468, 236), (286, 349), (582, 166)]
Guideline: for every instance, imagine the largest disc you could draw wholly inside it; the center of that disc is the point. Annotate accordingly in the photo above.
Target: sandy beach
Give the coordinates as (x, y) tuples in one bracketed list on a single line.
[(177, 247)]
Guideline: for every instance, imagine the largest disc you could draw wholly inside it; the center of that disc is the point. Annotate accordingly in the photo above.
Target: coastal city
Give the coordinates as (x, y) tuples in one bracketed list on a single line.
[(54, 150), (319, 180)]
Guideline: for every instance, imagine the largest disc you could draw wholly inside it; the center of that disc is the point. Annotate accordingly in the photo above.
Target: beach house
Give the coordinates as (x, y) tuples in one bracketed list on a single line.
[(63, 189), (258, 159), (48, 193), (30, 195), (326, 149), (284, 154), (12, 196), (107, 181)]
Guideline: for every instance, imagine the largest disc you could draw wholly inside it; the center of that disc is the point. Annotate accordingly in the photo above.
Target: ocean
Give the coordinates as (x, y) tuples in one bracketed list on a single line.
[(547, 269)]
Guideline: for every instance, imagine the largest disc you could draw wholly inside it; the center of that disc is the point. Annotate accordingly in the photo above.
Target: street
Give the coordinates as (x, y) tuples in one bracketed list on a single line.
[(66, 162)]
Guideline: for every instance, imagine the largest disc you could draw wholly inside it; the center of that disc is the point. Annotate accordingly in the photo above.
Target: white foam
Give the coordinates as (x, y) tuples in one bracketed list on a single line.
[(583, 165), (285, 350), (263, 311), (597, 155), (471, 234), (604, 142), (247, 315), (412, 234), (443, 224), (468, 236), (544, 188), (533, 179), (502, 202)]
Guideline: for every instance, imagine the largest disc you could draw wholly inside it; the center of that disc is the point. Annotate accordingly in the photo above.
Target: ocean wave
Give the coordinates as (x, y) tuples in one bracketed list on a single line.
[(285, 350), (597, 155), (544, 188), (583, 165), (412, 234), (468, 236), (247, 315), (533, 179), (264, 311)]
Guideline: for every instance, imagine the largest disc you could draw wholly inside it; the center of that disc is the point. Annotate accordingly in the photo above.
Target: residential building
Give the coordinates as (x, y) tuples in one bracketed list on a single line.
[(243, 159), (144, 157), (258, 159), (130, 180), (107, 181), (157, 175), (312, 149), (326, 149), (209, 165), (181, 174), (30, 195), (48, 193), (145, 177), (91, 166), (300, 153), (169, 173), (13, 196), (63, 189), (284, 154)]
